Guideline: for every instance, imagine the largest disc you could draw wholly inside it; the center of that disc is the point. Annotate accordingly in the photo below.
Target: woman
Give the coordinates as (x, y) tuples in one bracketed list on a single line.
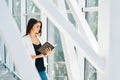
[(32, 42)]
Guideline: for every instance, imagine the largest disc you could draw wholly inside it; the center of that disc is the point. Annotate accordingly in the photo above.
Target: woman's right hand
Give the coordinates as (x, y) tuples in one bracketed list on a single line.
[(48, 51)]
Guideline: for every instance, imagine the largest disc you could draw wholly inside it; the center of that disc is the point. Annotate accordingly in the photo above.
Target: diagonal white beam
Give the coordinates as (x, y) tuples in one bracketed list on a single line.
[(68, 48), (66, 28), (81, 21), (13, 41)]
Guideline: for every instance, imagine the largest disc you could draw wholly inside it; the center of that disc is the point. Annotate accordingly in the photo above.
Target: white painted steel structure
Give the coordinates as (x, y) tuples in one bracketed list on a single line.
[(102, 54)]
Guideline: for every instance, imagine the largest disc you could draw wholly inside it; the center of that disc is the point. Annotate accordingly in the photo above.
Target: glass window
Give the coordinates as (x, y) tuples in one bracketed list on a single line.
[(33, 16), (3, 51), (0, 49), (18, 21), (92, 19), (71, 18), (31, 8), (16, 7), (16, 11), (90, 71), (56, 61), (6, 1), (5, 54), (67, 7), (91, 3)]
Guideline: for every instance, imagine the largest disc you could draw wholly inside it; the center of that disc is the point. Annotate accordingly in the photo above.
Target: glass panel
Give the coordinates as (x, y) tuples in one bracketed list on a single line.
[(6, 1), (92, 19), (90, 71), (18, 21), (67, 7), (5, 54), (31, 8), (71, 18), (0, 49), (56, 62), (16, 7), (60, 71), (33, 16), (91, 3)]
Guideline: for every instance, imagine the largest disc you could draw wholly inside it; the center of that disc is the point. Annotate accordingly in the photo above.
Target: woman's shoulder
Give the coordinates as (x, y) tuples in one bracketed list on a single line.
[(25, 37)]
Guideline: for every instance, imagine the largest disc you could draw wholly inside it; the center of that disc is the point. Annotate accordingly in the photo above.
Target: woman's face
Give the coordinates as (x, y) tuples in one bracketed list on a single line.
[(36, 28)]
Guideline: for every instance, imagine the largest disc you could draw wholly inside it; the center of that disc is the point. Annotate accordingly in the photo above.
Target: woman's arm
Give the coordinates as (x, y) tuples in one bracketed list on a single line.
[(48, 52), (37, 56)]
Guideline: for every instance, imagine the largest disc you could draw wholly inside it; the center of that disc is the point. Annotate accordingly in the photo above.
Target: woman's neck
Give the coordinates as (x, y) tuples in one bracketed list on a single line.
[(32, 35)]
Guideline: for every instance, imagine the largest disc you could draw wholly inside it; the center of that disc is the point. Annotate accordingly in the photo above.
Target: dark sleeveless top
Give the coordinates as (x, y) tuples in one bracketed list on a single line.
[(39, 62)]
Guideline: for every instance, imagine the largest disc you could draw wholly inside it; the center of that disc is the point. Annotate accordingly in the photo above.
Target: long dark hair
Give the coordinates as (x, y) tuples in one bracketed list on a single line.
[(31, 23)]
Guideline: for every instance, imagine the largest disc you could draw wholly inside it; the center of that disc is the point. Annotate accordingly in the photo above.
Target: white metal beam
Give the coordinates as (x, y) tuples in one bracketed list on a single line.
[(104, 34), (68, 47), (90, 9), (113, 56)]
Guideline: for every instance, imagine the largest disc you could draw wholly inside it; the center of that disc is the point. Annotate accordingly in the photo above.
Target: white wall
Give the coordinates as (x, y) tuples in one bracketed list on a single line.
[(114, 50)]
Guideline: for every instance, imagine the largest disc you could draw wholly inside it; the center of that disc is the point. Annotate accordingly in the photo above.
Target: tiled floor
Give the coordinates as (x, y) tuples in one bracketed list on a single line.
[(5, 73)]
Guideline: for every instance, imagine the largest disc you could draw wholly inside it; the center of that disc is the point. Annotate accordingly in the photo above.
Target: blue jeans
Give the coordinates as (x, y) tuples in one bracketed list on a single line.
[(43, 75)]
